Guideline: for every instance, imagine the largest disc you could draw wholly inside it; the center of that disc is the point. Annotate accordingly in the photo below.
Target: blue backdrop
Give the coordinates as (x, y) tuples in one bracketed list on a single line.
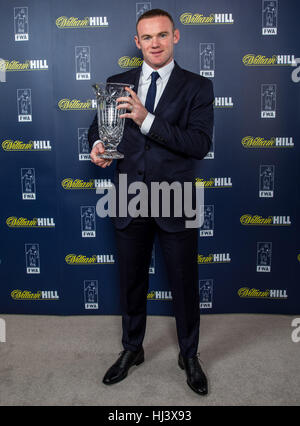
[(57, 256)]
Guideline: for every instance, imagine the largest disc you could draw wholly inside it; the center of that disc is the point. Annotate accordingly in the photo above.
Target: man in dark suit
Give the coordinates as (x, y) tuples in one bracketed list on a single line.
[(168, 127)]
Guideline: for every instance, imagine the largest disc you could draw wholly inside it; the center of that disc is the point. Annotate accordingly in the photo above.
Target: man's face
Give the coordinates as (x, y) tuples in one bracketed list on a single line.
[(156, 40)]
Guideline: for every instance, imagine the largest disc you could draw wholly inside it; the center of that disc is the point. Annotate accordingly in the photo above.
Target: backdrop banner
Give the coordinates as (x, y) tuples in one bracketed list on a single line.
[(57, 255)]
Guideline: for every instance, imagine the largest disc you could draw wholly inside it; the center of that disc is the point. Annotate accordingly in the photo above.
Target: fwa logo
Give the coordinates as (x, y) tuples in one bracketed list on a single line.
[(141, 8), (28, 183), (91, 294), (24, 105), (83, 144), (88, 221), (207, 229), (32, 257), (83, 62), (21, 23), (269, 17), (264, 257), (207, 59), (266, 181), (268, 100), (206, 293)]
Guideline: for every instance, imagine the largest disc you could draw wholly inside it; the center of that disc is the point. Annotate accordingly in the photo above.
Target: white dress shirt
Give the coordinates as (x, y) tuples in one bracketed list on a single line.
[(144, 83)]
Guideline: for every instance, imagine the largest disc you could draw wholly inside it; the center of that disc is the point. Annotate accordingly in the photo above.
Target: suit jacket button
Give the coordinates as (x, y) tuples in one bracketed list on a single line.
[(147, 147), (140, 172)]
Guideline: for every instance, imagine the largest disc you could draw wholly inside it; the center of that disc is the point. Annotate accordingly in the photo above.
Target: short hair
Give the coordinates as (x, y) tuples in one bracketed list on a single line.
[(152, 14)]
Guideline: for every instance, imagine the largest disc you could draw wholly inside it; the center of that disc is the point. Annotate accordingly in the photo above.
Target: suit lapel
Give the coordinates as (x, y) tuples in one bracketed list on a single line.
[(135, 78), (174, 85)]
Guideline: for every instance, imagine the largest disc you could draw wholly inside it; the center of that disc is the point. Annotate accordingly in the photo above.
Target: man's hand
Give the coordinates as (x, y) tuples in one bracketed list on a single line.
[(102, 162), (138, 112)]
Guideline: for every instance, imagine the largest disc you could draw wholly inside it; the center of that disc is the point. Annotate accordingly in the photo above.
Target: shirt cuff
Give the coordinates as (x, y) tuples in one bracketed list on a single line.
[(147, 123), (95, 143)]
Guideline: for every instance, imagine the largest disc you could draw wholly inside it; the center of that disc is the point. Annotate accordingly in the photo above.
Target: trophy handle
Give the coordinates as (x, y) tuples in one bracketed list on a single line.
[(96, 88)]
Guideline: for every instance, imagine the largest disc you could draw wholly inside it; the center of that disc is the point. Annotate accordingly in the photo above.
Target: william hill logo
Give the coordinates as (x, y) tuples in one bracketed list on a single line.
[(214, 258), (69, 183), (274, 142), (223, 102), (261, 60), (159, 295), (29, 65), (37, 145), (96, 259), (189, 18), (222, 182), (39, 295), (127, 62), (87, 22), (23, 222), (246, 292), (76, 104), (256, 220)]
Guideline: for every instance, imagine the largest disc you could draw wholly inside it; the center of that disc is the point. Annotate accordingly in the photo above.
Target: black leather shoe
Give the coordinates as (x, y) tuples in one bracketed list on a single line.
[(196, 379), (119, 370)]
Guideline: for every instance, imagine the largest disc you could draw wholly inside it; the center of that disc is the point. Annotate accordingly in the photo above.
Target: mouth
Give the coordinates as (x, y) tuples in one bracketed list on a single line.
[(157, 53)]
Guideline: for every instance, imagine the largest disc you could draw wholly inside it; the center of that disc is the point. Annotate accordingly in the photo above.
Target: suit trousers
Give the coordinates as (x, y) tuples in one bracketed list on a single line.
[(134, 249)]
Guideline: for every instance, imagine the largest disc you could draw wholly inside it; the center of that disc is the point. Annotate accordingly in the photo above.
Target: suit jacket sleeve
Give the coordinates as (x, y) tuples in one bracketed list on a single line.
[(195, 139)]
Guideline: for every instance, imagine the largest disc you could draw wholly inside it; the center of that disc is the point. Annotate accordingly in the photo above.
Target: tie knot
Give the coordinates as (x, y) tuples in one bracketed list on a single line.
[(154, 76)]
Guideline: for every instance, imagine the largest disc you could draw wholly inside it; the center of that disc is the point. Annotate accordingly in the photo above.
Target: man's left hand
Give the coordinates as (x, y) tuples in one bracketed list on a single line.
[(137, 110)]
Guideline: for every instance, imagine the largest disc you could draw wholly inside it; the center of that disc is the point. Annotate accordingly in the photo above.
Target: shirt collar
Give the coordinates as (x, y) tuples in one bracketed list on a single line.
[(163, 72)]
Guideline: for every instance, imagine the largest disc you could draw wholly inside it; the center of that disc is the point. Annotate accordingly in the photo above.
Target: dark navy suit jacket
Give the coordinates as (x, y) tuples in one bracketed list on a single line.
[(180, 135)]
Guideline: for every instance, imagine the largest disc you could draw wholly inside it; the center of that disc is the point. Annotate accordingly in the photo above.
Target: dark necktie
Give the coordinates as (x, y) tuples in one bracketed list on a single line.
[(150, 99)]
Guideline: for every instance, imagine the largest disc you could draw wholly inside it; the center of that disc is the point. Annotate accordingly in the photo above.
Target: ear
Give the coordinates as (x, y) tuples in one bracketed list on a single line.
[(176, 36), (136, 39)]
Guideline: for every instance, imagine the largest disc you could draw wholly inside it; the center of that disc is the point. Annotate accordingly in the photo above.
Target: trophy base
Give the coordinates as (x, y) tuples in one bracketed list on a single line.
[(111, 155)]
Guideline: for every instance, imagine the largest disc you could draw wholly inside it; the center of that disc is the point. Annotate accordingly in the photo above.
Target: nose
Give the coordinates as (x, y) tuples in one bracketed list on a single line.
[(155, 42)]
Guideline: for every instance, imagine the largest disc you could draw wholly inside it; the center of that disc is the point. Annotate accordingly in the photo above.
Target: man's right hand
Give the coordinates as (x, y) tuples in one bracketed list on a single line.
[(102, 162)]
